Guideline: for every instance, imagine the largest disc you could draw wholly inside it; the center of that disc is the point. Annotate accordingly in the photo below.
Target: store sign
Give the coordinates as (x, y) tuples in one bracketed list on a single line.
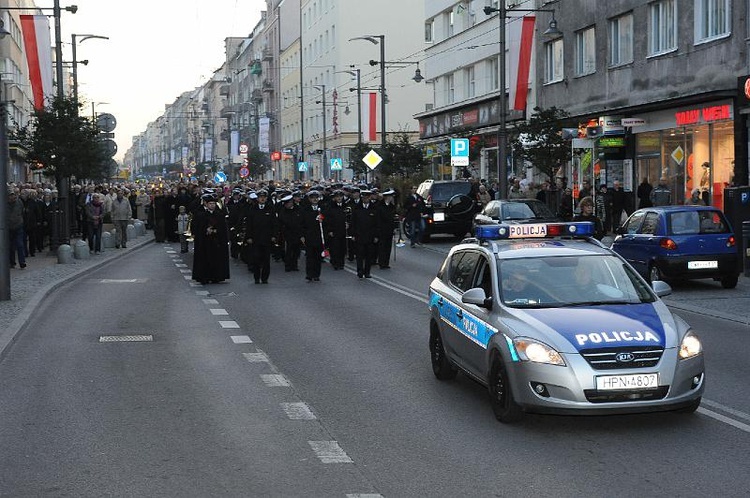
[(612, 142), (703, 115)]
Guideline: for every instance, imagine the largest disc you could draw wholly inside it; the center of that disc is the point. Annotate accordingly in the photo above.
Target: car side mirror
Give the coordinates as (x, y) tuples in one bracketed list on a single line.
[(620, 230), (477, 297), (661, 288)]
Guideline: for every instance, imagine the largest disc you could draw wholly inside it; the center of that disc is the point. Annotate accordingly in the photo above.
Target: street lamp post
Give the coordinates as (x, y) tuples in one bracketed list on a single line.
[(375, 39), (322, 88), (74, 72), (502, 131), (356, 74)]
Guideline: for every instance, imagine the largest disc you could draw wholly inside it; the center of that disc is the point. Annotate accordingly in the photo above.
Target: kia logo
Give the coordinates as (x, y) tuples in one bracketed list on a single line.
[(624, 357)]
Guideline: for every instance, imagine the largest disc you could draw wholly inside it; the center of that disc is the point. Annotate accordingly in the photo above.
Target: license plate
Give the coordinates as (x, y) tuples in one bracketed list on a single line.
[(619, 382), (702, 265), (438, 217)]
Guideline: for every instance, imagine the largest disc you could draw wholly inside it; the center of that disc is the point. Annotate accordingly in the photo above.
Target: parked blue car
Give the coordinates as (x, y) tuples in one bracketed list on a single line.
[(680, 243)]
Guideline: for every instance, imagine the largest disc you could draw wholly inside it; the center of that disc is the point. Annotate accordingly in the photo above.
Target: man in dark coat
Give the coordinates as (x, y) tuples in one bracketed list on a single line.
[(644, 194), (209, 229), (365, 229), (354, 202), (414, 209), (312, 236), (386, 215), (290, 219), (261, 233), (334, 223), (619, 203)]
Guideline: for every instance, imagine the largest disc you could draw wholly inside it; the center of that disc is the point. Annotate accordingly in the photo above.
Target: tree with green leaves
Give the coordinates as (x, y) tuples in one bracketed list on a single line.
[(356, 154), (258, 162), (401, 158), (539, 140), (63, 144)]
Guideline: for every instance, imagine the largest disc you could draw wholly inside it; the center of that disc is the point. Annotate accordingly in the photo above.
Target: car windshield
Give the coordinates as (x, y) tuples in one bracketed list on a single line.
[(697, 222), (444, 191), (525, 211), (563, 281)]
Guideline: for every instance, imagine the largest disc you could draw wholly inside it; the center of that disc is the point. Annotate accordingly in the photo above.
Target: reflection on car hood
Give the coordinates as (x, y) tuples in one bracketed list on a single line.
[(607, 326)]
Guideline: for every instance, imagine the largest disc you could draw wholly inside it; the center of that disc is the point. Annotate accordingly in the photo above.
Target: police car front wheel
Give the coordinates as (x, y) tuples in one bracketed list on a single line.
[(501, 397), (441, 365)]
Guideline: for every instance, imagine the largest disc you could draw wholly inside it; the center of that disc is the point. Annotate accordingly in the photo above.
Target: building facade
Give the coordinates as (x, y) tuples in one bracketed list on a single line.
[(655, 86)]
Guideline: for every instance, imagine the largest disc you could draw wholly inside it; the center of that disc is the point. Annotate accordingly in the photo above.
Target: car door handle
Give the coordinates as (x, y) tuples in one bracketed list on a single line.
[(459, 314), (440, 301)]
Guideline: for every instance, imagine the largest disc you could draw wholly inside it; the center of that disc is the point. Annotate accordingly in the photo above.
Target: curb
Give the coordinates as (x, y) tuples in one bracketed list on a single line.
[(9, 336)]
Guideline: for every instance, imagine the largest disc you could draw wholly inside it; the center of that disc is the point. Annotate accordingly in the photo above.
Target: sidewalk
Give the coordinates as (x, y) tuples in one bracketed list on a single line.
[(42, 275)]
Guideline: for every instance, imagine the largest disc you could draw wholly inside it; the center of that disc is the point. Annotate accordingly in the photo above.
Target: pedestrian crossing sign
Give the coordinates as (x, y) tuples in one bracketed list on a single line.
[(302, 166), (337, 164)]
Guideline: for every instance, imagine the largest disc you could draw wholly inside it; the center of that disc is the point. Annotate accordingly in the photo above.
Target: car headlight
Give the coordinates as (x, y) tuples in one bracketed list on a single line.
[(690, 346), (538, 352)]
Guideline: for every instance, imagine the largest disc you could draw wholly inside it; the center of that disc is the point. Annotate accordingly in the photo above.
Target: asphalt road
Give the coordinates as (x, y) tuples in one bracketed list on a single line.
[(317, 389)]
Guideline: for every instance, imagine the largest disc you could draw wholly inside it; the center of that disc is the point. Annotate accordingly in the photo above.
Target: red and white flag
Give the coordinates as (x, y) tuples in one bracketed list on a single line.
[(520, 43), (370, 117), (38, 48)]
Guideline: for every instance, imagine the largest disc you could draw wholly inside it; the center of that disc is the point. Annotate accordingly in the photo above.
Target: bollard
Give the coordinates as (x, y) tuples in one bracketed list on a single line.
[(108, 242), (64, 254), (81, 250), (140, 228), (130, 232)]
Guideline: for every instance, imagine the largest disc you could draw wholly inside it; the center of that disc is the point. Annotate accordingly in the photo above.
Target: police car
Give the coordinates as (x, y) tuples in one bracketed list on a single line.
[(551, 321)]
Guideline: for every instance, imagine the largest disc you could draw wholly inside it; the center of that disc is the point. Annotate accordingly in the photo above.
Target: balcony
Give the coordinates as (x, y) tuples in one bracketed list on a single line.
[(224, 90), (267, 54), (256, 95), (267, 86)]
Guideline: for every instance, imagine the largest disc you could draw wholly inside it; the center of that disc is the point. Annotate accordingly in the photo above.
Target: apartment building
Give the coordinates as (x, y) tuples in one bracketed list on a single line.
[(659, 86)]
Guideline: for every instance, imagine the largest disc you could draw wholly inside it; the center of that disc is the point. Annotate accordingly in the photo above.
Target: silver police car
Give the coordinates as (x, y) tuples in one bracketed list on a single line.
[(551, 321)]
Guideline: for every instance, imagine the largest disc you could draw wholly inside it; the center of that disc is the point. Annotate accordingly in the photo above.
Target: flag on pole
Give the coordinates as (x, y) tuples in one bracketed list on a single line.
[(520, 42), (370, 117), (38, 48)]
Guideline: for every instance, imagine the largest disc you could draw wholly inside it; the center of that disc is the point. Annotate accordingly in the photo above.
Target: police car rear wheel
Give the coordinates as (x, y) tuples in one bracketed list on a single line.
[(505, 408), (441, 365)]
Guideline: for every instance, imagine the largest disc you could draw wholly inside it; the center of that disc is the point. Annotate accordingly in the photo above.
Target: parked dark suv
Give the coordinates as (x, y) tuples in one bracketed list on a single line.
[(451, 205)]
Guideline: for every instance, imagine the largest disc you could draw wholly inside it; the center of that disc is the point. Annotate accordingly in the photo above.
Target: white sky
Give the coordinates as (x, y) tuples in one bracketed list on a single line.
[(156, 50)]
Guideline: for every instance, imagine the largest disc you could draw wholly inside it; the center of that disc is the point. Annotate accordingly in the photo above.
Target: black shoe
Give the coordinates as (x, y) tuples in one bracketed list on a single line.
[(316, 279), (386, 267), (117, 247), (360, 275), (351, 259), (264, 282), (368, 276), (124, 246), (309, 279), (23, 265), (257, 281)]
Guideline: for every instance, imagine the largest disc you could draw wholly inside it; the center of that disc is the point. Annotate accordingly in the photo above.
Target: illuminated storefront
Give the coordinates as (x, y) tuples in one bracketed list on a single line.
[(693, 147)]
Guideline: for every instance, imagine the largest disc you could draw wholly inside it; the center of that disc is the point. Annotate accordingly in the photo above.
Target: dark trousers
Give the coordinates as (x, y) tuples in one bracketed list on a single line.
[(95, 237), (16, 246), (384, 249), (337, 248), (261, 262), (367, 253), (291, 254), (313, 261), (351, 249)]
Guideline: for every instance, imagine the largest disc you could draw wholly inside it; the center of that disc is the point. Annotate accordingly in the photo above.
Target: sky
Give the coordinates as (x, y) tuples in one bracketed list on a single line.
[(156, 51)]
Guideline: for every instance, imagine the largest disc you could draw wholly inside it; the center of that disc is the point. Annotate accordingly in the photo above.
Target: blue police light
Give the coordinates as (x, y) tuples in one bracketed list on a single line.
[(534, 230)]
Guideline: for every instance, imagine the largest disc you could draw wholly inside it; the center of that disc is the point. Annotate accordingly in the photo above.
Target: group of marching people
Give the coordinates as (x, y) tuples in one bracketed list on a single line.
[(347, 222)]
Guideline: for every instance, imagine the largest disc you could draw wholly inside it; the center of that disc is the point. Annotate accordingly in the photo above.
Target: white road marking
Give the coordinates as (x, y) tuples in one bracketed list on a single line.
[(181, 265), (172, 252), (210, 301), (218, 312), (364, 495), (298, 411), (256, 357), (195, 284), (229, 324), (275, 380), (186, 271), (722, 418), (731, 411), (201, 293), (187, 277), (396, 288), (241, 339), (329, 452), (118, 281)]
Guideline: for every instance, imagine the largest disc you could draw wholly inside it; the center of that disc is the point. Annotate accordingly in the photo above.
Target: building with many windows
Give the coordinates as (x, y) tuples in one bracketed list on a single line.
[(656, 84)]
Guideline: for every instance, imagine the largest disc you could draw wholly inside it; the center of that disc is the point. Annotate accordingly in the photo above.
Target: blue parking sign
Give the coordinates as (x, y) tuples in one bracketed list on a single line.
[(459, 147)]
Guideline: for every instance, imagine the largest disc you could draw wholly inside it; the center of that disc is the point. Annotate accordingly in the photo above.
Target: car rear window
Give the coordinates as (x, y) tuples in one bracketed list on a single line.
[(444, 191), (697, 222)]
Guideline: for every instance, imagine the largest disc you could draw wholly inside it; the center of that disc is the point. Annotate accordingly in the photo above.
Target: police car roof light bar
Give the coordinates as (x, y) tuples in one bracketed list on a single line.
[(535, 230)]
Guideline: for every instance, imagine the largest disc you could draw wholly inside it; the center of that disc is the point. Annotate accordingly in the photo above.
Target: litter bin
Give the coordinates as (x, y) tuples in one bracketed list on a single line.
[(746, 247)]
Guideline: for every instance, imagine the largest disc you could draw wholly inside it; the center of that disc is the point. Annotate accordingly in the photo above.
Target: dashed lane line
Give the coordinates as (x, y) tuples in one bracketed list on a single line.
[(275, 380), (241, 339), (219, 312), (329, 452), (298, 411), (229, 324)]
